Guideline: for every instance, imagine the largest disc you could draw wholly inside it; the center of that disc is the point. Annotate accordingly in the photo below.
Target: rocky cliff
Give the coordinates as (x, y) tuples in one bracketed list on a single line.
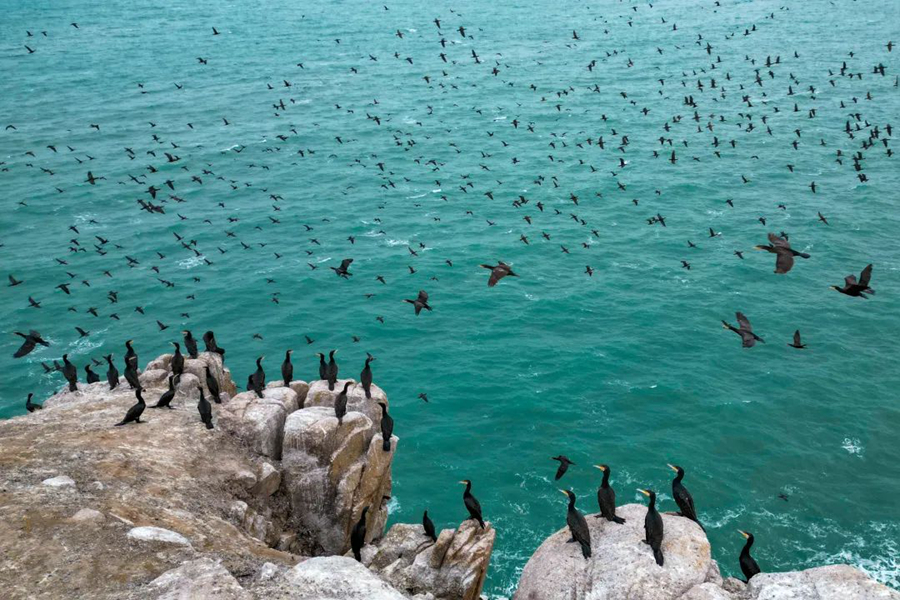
[(167, 508)]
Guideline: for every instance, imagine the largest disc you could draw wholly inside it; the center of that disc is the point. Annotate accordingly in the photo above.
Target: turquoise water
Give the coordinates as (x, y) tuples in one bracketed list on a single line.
[(630, 367)]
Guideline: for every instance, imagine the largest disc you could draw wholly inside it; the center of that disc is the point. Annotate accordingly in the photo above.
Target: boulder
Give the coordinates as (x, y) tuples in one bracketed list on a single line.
[(201, 578), (257, 422), (300, 388), (453, 568), (622, 565), (335, 578), (268, 481), (320, 395), (332, 471), (834, 582), (158, 534)]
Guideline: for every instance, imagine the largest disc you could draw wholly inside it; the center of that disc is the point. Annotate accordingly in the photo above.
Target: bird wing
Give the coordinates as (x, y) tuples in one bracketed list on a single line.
[(743, 321), (778, 241), (496, 275), (747, 339), (784, 261), (850, 280), (865, 276), (26, 347), (423, 296), (797, 338), (346, 263)]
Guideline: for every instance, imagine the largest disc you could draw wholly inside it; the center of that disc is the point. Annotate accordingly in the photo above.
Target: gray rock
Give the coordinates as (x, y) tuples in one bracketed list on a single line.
[(621, 566), (157, 534), (707, 591), (336, 578), (834, 582), (269, 480), (59, 481), (320, 395), (87, 515), (258, 422), (331, 472), (453, 568), (198, 579)]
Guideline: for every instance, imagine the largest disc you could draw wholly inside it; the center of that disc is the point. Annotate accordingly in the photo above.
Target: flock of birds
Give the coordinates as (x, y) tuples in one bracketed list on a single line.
[(726, 104)]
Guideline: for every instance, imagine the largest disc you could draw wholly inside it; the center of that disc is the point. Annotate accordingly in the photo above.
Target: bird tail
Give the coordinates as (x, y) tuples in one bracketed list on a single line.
[(73, 387), (120, 424), (700, 524), (386, 445), (209, 425), (368, 394), (803, 255), (618, 520), (657, 553), (356, 555), (585, 550), (481, 522)]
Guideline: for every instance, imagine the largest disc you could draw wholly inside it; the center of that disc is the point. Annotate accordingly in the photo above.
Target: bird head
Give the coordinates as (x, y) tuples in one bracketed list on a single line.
[(648, 493), (747, 536), (675, 468), (466, 482), (568, 493), (603, 468)]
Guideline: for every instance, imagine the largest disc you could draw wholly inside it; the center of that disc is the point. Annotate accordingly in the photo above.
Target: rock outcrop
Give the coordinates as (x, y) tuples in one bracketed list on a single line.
[(622, 567), (452, 568)]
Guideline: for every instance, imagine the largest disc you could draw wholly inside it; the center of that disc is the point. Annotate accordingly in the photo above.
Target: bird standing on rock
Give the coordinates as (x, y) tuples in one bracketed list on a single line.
[(340, 404), (190, 344), (31, 407), (70, 373), (205, 409), (428, 525), (471, 503), (209, 338), (748, 565), (577, 525), (387, 427), (331, 370), (134, 413), (177, 360), (323, 367), (606, 498), (366, 376), (257, 381), (112, 373), (90, 376), (358, 535), (212, 384), (683, 497), (653, 527), (165, 401), (287, 369)]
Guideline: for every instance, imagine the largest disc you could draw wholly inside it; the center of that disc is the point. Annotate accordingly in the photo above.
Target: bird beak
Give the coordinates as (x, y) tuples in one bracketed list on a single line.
[(744, 533), (673, 467), (644, 492), (463, 482), (601, 467), (565, 493)]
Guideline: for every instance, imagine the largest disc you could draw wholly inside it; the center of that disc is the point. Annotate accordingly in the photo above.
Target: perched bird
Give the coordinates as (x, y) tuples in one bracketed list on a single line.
[(177, 360), (112, 373), (257, 381), (420, 302), (498, 272), (70, 373), (134, 413), (190, 344), (89, 375), (165, 401), (331, 370), (784, 254), (748, 565), (683, 497), (387, 427), (131, 374), (577, 525), (471, 503), (205, 409), (130, 354), (212, 384), (209, 338), (748, 338), (606, 498), (428, 526), (31, 407), (653, 527), (31, 339), (860, 289), (340, 405), (797, 343), (563, 466), (287, 369), (365, 378), (323, 367), (358, 535)]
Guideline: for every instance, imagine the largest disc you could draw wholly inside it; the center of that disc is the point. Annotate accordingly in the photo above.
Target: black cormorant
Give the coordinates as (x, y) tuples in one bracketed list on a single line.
[(748, 566), (31, 339), (683, 497), (112, 373), (323, 368), (342, 271), (131, 374), (340, 404), (471, 503), (797, 343), (209, 338), (366, 376), (358, 535), (852, 288), (134, 413), (428, 525), (31, 407), (606, 498), (748, 338), (498, 272), (258, 379), (784, 258), (212, 384), (331, 372), (578, 525), (420, 302), (177, 360), (90, 376), (287, 369), (563, 466), (130, 354), (165, 401), (190, 344), (70, 373), (387, 427), (653, 527), (205, 409)]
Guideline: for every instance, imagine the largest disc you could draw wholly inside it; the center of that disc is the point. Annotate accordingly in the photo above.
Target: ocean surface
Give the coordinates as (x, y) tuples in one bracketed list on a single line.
[(629, 366)]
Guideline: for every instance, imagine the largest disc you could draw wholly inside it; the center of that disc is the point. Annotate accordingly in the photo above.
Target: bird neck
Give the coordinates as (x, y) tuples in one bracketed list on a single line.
[(747, 546), (605, 482)]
